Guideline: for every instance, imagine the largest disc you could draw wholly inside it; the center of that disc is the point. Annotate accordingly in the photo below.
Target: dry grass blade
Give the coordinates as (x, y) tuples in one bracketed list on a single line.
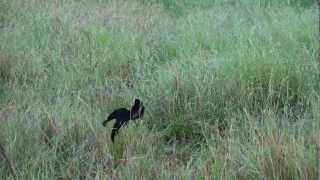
[(11, 168)]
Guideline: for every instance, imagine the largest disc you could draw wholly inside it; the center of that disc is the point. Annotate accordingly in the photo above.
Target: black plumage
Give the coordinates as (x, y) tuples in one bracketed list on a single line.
[(123, 115)]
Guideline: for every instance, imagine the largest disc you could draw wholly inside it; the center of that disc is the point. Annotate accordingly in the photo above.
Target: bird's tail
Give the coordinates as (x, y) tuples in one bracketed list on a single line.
[(113, 133)]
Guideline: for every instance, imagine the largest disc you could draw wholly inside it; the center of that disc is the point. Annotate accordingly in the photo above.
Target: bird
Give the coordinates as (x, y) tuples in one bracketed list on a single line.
[(123, 116)]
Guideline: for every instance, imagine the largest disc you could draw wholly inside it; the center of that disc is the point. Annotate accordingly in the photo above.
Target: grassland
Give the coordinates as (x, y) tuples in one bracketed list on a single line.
[(231, 89)]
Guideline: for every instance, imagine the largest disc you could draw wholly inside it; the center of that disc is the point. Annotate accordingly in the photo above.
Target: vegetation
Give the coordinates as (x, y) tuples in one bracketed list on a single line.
[(231, 89)]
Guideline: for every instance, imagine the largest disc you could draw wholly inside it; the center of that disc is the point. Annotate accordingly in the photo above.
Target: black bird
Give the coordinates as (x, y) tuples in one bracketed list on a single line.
[(123, 115)]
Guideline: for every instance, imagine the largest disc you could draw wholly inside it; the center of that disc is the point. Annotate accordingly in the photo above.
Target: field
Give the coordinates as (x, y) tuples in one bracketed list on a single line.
[(231, 89)]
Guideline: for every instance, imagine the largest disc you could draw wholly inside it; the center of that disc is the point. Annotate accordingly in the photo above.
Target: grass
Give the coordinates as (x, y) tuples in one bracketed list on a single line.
[(231, 89)]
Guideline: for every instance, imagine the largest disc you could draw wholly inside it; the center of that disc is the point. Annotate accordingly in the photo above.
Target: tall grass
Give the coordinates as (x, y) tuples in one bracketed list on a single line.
[(231, 89)]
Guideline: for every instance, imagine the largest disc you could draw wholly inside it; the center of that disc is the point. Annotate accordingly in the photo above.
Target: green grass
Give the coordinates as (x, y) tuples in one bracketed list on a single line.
[(231, 89)]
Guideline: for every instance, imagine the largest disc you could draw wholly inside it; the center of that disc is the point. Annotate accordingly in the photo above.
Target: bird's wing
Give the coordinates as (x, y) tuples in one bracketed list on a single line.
[(111, 116)]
